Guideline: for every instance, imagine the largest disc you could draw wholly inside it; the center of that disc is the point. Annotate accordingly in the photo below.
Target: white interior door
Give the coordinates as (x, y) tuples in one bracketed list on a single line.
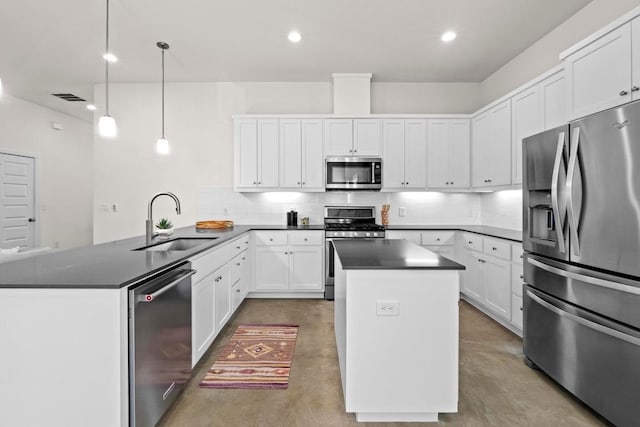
[(17, 211)]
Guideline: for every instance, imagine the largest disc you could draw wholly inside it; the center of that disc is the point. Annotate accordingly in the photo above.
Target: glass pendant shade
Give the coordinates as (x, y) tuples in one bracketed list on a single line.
[(162, 146), (0, 85), (107, 127)]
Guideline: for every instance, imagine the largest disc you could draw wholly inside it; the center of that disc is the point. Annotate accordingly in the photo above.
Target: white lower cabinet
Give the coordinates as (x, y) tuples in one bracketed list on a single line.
[(289, 261), (498, 286), (222, 296), (203, 313)]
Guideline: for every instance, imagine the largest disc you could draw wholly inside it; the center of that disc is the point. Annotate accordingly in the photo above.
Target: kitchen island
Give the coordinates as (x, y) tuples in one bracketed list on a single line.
[(396, 326)]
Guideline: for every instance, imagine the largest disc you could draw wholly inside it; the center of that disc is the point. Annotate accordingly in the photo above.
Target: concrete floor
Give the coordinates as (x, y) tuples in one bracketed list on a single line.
[(496, 388)]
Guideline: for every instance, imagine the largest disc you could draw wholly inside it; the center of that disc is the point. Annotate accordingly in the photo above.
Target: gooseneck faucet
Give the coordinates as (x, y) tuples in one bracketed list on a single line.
[(149, 223)]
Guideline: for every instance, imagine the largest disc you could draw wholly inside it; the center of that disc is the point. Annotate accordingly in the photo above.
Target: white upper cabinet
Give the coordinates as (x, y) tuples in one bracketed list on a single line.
[(525, 121), (448, 154), (338, 137), (491, 147), (367, 137), (599, 74), (635, 58), (553, 100), (404, 154), (256, 154), (347, 137), (301, 159)]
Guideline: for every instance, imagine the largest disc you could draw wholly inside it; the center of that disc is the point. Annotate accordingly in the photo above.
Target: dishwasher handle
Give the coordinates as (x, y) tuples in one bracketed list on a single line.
[(150, 297)]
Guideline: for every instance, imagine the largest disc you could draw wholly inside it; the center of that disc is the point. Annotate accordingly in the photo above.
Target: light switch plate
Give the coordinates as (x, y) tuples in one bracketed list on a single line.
[(387, 308), (402, 211)]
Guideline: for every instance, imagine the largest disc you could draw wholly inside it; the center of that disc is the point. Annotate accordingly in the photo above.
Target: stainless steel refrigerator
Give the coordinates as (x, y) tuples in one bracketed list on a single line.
[(581, 235)]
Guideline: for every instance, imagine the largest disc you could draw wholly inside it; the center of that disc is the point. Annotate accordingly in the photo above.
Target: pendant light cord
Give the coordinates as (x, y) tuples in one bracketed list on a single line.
[(163, 94), (106, 63)]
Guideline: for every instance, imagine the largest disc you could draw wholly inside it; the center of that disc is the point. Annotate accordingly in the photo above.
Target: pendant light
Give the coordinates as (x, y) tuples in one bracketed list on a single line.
[(162, 146), (107, 125), (0, 85)]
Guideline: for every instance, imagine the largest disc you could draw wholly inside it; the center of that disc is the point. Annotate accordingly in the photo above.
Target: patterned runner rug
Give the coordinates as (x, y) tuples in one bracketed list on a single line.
[(256, 357)]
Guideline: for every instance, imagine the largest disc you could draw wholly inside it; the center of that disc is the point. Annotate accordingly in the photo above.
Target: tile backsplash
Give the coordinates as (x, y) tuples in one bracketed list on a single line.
[(271, 207)]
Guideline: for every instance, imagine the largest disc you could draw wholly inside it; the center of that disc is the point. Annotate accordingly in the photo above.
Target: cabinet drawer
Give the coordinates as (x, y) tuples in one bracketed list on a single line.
[(472, 241), (306, 237), (240, 244), (497, 248), (269, 238), (207, 263), (516, 310), (516, 253), (410, 236), (236, 268), (517, 277), (437, 238)]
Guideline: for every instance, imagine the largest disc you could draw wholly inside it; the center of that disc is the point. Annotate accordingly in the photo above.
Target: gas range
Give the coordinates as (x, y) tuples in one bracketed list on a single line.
[(352, 222)]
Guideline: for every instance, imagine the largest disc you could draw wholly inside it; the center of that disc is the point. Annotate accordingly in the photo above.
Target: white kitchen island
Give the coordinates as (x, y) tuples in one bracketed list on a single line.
[(396, 325)]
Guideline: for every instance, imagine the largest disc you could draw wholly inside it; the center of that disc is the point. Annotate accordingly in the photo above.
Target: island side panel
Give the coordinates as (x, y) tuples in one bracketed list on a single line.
[(340, 319), (406, 363), (64, 357)]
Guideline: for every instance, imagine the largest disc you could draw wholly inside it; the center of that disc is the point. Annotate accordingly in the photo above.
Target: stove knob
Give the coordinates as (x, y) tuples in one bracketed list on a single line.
[(367, 234), (344, 234), (375, 234)]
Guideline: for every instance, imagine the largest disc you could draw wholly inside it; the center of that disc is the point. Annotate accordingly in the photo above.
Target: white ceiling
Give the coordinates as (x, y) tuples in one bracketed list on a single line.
[(56, 46)]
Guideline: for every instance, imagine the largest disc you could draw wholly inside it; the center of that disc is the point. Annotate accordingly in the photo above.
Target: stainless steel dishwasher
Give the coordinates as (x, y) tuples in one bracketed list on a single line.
[(159, 343)]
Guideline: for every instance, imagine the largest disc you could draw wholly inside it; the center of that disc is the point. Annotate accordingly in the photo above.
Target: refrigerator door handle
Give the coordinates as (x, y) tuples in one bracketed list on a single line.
[(584, 322), (587, 279), (571, 211), (555, 180)]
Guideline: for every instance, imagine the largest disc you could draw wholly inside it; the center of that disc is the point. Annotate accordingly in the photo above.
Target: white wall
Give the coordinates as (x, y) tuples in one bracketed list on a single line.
[(64, 163), (200, 130), (502, 209), (544, 54), (425, 98)]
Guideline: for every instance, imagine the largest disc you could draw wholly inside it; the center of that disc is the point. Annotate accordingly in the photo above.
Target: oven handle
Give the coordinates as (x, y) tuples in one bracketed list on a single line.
[(584, 322), (152, 296), (555, 207), (587, 279)]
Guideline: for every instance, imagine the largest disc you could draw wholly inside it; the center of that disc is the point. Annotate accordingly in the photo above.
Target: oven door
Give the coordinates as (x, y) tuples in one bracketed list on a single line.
[(353, 173)]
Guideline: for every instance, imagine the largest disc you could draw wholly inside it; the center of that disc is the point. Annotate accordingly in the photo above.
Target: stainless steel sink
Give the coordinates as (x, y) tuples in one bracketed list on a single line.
[(179, 244)]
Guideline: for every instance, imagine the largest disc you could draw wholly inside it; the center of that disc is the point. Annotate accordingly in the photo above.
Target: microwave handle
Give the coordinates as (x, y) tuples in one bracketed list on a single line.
[(373, 172)]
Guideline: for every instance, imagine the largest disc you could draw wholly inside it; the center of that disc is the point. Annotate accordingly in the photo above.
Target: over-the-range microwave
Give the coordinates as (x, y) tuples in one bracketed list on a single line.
[(353, 173)]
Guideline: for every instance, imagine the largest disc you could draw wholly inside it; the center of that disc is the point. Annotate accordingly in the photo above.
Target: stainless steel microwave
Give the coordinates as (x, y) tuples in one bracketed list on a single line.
[(353, 173)]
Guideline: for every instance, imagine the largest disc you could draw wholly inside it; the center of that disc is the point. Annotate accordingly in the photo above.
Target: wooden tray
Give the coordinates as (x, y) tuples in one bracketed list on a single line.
[(212, 225)]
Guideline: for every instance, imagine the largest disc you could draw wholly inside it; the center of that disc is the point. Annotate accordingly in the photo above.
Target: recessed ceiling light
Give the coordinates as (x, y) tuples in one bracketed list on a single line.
[(110, 57), (91, 107), (448, 36), (294, 37)]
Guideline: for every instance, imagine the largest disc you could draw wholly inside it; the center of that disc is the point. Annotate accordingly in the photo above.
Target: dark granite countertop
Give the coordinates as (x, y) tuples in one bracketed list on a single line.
[(502, 233), (389, 254)]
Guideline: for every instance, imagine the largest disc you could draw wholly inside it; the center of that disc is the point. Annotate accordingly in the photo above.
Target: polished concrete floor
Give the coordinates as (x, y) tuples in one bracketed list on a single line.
[(496, 388)]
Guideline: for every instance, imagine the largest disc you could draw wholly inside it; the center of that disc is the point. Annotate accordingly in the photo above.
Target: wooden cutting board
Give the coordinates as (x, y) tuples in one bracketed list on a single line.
[(212, 225)]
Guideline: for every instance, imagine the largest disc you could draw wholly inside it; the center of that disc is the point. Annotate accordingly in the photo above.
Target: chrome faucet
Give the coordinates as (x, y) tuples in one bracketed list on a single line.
[(149, 223)]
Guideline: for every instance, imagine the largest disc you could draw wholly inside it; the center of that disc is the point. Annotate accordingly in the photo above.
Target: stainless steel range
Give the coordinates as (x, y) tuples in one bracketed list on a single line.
[(346, 222)]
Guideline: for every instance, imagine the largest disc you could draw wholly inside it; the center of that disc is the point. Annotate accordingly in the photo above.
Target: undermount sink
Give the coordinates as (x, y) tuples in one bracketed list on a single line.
[(179, 244)]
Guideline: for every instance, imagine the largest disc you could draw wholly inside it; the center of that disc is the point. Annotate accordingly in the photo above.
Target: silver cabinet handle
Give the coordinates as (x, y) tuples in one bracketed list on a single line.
[(555, 181), (150, 297), (584, 322), (623, 93), (573, 220)]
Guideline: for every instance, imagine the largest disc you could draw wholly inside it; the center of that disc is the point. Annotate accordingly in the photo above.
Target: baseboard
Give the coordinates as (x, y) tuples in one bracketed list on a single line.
[(492, 315), (296, 295)]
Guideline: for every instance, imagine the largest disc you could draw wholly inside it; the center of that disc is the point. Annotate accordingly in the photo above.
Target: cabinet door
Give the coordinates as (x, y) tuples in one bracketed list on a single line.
[(525, 121), (415, 154), (290, 154), (203, 317), (499, 147), (411, 236), (312, 159), (439, 155), (272, 268), (268, 153), (246, 153), (498, 286), (516, 310), (460, 156), (305, 268), (367, 138), (393, 157), (599, 75), (480, 150), (473, 284), (222, 296), (553, 101), (338, 137), (635, 58)]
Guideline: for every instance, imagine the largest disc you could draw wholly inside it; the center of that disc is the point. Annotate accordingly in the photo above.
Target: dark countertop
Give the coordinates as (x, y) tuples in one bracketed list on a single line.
[(389, 254), (502, 233)]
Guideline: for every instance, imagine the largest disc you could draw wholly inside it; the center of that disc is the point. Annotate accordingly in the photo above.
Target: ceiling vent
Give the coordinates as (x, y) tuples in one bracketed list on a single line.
[(69, 97)]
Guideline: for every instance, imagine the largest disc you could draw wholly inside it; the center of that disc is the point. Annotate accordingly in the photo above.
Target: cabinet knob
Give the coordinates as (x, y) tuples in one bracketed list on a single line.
[(270, 239), (237, 263), (243, 258), (470, 242), (304, 183), (521, 309), (286, 253), (451, 183), (522, 276), (521, 256), (623, 93), (259, 182), (237, 247), (355, 151), (254, 182), (406, 183), (446, 183), (238, 290), (635, 88), (487, 180), (438, 239), (298, 182), (305, 239), (494, 248)]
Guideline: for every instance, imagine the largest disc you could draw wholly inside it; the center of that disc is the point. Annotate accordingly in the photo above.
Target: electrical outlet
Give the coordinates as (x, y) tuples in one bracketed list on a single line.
[(114, 207), (387, 308), (402, 211)]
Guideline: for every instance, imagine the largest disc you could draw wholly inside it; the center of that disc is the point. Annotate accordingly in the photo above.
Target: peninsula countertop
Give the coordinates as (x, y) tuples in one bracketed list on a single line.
[(389, 254)]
